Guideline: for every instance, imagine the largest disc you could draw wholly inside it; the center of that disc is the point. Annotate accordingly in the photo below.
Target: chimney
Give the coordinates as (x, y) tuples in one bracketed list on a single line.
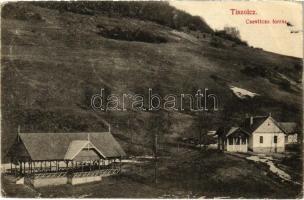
[(251, 120), (88, 141)]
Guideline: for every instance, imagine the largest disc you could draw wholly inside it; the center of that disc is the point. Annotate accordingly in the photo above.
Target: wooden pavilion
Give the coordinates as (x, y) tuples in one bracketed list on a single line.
[(233, 139), (39, 153)]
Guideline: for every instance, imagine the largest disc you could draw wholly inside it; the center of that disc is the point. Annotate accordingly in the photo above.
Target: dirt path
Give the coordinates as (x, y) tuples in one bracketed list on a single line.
[(274, 169)]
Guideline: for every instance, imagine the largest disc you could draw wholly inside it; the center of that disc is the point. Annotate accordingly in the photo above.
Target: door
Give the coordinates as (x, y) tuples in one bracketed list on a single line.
[(275, 141)]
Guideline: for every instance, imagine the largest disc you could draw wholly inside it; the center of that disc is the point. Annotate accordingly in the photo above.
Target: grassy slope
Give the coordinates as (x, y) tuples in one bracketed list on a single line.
[(50, 62), (187, 174)]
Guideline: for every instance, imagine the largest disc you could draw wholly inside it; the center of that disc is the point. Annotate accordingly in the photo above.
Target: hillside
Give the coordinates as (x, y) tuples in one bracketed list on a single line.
[(54, 59)]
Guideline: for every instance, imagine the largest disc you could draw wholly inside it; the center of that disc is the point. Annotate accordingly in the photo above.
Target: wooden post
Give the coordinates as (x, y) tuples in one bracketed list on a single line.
[(50, 166), (233, 142), (218, 143), (11, 167), (120, 164), (72, 165), (15, 169), (20, 167), (24, 167)]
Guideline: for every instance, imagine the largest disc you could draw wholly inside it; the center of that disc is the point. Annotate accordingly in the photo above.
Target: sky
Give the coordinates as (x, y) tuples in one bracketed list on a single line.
[(271, 37)]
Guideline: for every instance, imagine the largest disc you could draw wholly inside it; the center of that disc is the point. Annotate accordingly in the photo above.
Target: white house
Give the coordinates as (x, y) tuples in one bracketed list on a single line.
[(290, 128), (258, 134)]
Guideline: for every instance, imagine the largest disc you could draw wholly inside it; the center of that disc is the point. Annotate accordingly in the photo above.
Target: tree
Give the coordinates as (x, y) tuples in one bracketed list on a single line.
[(232, 31), (203, 123), (159, 124), (88, 93)]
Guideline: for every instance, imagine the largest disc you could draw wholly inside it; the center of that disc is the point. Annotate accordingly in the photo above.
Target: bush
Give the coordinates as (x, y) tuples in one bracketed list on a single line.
[(256, 71), (159, 12), (216, 43), (285, 85), (232, 34), (272, 76), (18, 12), (119, 33)]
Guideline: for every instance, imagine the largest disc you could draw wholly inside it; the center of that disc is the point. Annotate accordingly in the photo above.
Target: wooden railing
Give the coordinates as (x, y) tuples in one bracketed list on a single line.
[(102, 172)]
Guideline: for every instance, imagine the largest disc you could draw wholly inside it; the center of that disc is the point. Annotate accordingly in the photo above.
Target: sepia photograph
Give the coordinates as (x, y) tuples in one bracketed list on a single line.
[(152, 99)]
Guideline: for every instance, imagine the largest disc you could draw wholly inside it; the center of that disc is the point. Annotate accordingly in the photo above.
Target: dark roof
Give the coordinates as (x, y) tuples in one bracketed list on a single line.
[(54, 146), (288, 127), (257, 121), (226, 131)]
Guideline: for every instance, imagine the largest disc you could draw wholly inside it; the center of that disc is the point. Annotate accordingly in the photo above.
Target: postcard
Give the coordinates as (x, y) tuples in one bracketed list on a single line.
[(151, 99)]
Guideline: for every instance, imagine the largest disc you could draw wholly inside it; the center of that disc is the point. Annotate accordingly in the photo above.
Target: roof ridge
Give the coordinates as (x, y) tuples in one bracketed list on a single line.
[(55, 146), (257, 116)]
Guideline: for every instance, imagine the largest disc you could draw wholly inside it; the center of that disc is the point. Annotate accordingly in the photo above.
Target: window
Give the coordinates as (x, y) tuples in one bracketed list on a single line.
[(275, 139), (261, 139)]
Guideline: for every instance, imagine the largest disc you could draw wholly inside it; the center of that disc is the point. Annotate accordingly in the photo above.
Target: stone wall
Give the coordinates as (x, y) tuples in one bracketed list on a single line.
[(268, 149), (49, 181), (81, 180)]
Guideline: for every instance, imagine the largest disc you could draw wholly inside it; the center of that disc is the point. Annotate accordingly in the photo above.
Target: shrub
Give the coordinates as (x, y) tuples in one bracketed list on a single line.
[(159, 12), (285, 85), (232, 34), (216, 43), (18, 12), (119, 33)]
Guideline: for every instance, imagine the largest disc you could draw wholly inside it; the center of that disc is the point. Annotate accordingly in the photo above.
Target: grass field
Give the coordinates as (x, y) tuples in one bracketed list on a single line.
[(54, 61), (188, 173)]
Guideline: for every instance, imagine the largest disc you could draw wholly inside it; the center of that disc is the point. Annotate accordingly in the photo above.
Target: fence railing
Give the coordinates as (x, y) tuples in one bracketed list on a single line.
[(102, 172)]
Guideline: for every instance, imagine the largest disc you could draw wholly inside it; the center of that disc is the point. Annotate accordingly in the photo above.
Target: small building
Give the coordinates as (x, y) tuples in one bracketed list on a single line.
[(65, 157), (258, 134), (290, 128), (233, 139)]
